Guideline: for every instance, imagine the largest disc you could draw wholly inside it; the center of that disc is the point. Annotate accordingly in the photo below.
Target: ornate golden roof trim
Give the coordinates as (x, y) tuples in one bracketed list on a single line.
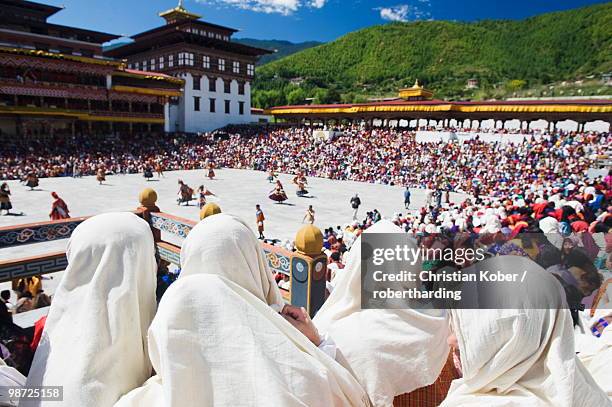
[(77, 115), (166, 78), (447, 107), (146, 91)]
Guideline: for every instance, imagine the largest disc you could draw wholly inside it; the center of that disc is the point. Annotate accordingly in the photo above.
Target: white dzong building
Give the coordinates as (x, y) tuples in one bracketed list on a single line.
[(217, 71)]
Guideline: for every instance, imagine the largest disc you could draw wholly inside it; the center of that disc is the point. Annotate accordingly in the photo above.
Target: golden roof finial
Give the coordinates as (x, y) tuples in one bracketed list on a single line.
[(178, 13), (416, 92)]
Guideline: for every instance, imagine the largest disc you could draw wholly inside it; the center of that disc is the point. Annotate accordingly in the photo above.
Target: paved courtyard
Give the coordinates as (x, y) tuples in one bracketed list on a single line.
[(237, 193)]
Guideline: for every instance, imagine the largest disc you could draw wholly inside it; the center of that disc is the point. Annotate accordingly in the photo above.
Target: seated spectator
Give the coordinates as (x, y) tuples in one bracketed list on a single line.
[(41, 300), (226, 295), (24, 302), (92, 342), (501, 365)]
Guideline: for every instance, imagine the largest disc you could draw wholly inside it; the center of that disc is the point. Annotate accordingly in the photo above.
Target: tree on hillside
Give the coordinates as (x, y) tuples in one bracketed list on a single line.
[(516, 84), (268, 98), (296, 97), (326, 96)]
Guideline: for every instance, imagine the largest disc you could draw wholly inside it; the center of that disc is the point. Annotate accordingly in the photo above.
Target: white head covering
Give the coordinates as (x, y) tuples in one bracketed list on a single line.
[(521, 357), (549, 224), (215, 341), (93, 343), (431, 228), (224, 245), (550, 227), (461, 223), (492, 224), (390, 352)]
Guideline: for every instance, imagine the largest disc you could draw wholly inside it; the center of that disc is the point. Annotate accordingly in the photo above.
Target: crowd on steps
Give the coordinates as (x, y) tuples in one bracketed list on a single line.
[(387, 156)]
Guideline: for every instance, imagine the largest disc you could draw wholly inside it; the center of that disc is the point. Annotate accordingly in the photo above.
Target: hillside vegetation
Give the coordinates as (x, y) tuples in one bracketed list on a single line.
[(506, 56)]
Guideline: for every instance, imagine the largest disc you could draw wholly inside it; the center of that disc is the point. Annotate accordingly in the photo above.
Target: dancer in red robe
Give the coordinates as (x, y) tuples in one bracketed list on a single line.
[(59, 209), (278, 193)]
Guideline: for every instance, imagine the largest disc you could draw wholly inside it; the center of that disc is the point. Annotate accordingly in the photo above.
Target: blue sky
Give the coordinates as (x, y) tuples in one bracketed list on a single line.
[(295, 20)]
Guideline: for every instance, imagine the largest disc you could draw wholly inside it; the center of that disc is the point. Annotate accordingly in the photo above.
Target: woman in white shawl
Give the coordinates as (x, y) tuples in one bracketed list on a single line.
[(390, 352), (93, 343), (595, 345), (218, 339), (520, 357), (550, 227), (224, 245)]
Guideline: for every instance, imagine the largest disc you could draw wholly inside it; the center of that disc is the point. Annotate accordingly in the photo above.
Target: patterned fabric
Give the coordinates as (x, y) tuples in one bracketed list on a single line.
[(278, 262), (36, 233), (48, 91), (432, 395), (57, 65), (133, 97), (511, 248), (600, 293), (172, 226)]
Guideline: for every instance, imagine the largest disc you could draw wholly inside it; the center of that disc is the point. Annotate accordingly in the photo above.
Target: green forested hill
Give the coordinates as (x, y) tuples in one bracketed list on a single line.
[(502, 54)]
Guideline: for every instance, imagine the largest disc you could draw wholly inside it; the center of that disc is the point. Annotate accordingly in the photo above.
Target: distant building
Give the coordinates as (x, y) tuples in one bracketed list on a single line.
[(417, 103), (416, 92), (607, 78), (296, 81), (472, 83), (217, 72), (55, 81)]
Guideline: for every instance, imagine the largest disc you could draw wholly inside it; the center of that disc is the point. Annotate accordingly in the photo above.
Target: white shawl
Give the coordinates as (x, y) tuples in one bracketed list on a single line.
[(9, 377), (224, 245), (596, 353), (390, 352), (215, 341), (521, 357), (93, 343)]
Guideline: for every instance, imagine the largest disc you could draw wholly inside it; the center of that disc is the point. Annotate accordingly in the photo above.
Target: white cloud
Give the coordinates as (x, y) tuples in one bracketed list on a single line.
[(317, 3), (405, 12), (395, 13), (284, 7)]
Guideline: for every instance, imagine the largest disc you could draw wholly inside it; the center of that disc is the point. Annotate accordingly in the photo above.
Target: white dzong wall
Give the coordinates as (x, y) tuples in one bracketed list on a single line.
[(184, 118)]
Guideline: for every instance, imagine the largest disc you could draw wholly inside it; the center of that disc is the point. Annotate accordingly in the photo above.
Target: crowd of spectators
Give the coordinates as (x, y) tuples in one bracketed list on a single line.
[(386, 156), (566, 229), (82, 155), (394, 157)]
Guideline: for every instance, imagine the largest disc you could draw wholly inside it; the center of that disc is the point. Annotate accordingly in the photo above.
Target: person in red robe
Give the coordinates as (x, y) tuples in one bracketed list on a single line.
[(59, 209)]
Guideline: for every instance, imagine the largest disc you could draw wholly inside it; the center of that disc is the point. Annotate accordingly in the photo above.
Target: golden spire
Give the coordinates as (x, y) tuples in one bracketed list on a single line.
[(416, 92), (178, 13)]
